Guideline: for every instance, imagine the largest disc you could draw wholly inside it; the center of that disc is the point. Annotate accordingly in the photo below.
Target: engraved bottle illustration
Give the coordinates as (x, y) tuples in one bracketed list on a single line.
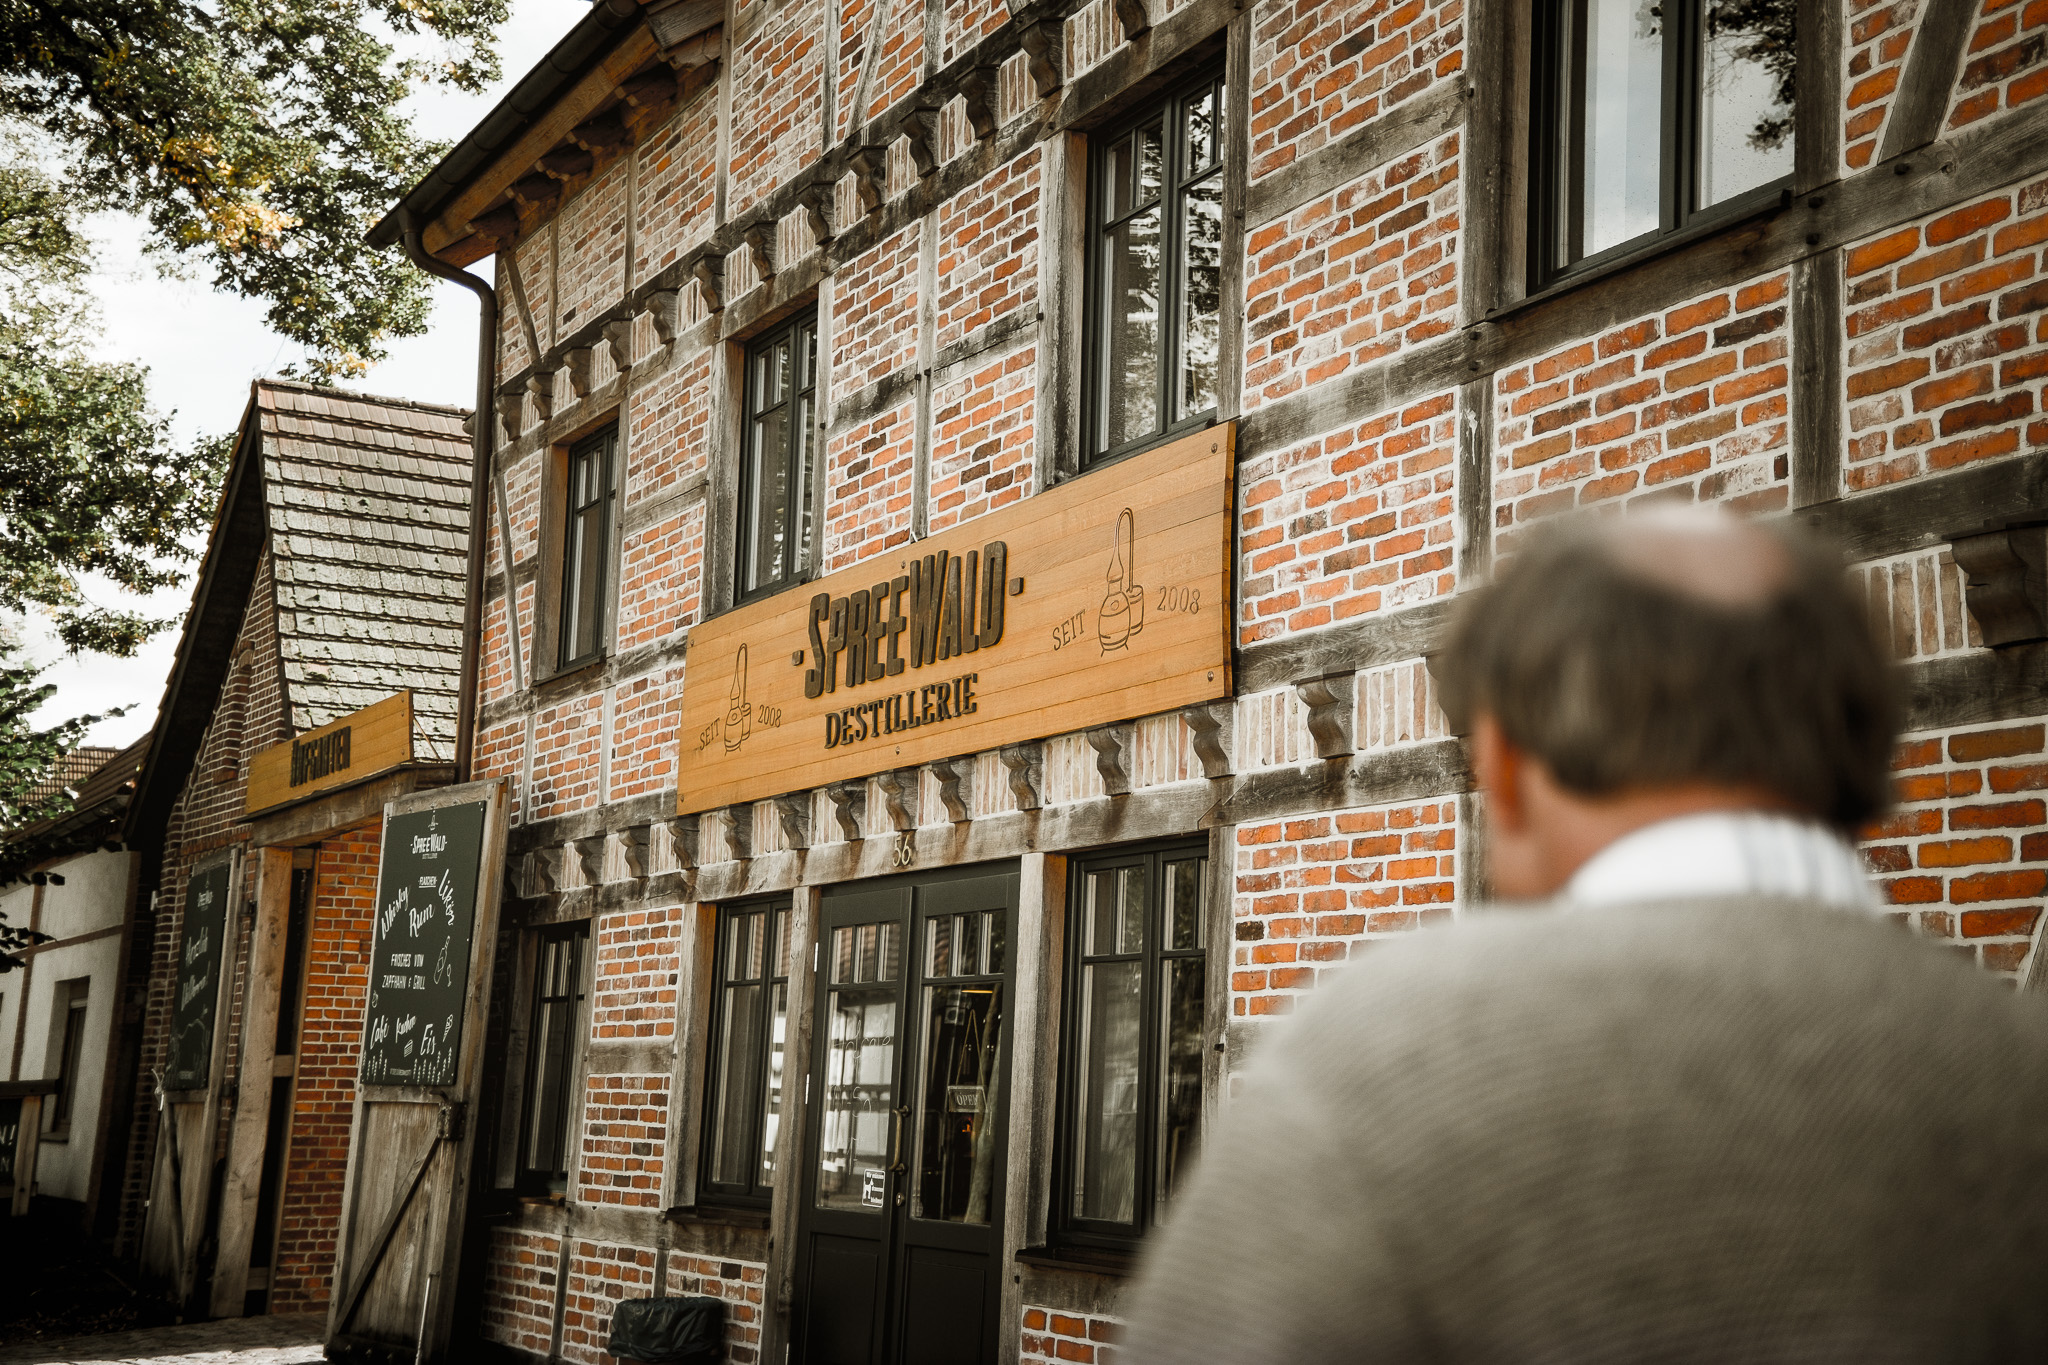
[(1123, 605), (739, 716)]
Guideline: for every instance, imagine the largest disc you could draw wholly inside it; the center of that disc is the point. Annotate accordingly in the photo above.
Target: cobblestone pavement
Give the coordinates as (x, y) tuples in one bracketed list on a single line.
[(279, 1339)]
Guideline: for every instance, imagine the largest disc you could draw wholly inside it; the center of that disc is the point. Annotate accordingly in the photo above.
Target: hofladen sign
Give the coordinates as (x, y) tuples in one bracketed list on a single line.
[(361, 745), (1104, 599)]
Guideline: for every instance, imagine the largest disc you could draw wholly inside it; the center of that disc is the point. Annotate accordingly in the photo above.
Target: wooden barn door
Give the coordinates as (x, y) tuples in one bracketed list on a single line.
[(175, 1229), (438, 881)]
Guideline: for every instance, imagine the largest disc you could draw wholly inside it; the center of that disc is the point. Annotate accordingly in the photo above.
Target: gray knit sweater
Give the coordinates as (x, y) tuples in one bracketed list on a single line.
[(1713, 1131)]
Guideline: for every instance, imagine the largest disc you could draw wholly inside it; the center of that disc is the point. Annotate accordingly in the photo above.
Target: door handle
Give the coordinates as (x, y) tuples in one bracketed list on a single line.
[(896, 1140)]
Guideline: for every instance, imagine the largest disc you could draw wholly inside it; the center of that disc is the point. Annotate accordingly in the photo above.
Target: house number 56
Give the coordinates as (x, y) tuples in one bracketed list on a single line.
[(906, 851)]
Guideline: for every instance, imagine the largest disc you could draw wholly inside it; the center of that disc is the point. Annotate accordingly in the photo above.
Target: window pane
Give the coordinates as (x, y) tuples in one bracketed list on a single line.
[(854, 1129), (1623, 60), (1180, 1087), (806, 453), (1746, 100), (740, 1059), (1199, 148), (1116, 912), (1201, 295), (1184, 904), (958, 1115), (771, 1103), (1106, 1150), (591, 539), (1131, 329), (768, 498)]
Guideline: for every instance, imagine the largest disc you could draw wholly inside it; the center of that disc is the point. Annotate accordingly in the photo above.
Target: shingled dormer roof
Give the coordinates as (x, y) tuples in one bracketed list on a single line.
[(367, 501), (363, 505)]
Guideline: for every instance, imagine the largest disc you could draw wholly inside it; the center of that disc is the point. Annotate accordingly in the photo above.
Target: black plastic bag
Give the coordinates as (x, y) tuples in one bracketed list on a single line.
[(688, 1331)]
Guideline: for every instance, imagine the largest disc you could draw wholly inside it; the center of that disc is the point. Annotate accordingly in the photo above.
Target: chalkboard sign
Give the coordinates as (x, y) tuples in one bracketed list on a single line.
[(419, 969), (198, 977)]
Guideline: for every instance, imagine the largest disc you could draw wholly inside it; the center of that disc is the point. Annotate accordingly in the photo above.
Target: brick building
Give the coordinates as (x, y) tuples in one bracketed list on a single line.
[(796, 295), (333, 579)]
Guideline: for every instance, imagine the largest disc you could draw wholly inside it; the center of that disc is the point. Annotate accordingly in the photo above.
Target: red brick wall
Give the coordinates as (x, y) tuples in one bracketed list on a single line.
[(566, 739), (1357, 521), (601, 1275), (1314, 890), (678, 179), (868, 475), (777, 76), (330, 1039), (1689, 404), (671, 428), (639, 955), (740, 1284), (645, 715), (2003, 64), (1323, 69), (988, 250), (1880, 33), (625, 1141), (661, 572), (1354, 276), (1057, 1338), (1964, 857), (874, 313), (982, 439), (1945, 351), (591, 246), (520, 1285)]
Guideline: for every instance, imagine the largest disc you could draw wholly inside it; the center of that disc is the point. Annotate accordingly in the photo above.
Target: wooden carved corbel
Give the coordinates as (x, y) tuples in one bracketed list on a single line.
[(538, 192), (565, 163), (685, 840), (900, 792), (511, 412), (2006, 584), (817, 206), (1045, 48), (870, 167), (739, 833), (664, 307), (978, 92), (602, 132), (709, 271), (590, 858), (915, 128), (1112, 746), (618, 339), (540, 391), (793, 809), (1133, 16), (1025, 765), (760, 244), (956, 785), (545, 876), (1212, 729), (577, 363), (849, 807), (650, 89), (1331, 712), (633, 849), (500, 225)]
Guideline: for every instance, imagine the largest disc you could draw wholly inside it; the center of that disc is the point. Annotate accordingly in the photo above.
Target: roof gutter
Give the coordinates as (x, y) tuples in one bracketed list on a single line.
[(479, 481)]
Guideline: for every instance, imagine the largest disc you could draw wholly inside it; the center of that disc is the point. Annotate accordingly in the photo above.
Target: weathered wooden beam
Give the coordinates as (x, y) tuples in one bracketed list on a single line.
[(1412, 124), (1932, 64), (1937, 508)]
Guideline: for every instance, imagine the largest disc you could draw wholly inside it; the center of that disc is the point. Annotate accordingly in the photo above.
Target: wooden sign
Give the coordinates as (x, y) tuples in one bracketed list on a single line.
[(1103, 599), (361, 745), (198, 978), (419, 967)]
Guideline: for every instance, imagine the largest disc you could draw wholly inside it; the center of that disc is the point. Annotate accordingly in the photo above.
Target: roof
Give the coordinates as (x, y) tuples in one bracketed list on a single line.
[(101, 784), (363, 505), (71, 769), (580, 50)]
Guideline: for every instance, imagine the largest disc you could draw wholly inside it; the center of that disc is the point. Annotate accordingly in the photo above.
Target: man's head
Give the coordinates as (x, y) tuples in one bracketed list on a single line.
[(1620, 671)]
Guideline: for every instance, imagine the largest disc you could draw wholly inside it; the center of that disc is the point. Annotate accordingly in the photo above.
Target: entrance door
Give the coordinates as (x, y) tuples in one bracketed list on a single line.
[(901, 1221)]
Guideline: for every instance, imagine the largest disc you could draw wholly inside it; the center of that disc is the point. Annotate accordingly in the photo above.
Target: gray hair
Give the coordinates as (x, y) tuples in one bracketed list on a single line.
[(1616, 678)]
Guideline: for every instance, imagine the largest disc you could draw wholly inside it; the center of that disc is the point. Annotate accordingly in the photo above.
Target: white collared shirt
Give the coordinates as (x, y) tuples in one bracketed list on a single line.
[(1725, 853)]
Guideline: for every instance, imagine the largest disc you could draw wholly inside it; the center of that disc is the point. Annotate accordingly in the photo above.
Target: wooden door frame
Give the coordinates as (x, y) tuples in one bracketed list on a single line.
[(457, 1102)]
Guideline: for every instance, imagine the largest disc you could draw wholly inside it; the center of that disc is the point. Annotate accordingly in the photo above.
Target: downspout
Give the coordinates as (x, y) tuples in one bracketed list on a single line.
[(479, 481)]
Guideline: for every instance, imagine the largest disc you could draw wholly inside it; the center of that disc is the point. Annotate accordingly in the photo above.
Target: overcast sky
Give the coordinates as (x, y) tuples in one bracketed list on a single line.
[(202, 349)]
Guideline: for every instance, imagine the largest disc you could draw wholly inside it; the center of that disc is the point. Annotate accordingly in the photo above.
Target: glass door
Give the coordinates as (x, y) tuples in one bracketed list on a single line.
[(902, 1207)]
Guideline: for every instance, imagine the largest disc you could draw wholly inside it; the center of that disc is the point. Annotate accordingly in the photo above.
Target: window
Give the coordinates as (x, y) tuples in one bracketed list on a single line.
[(749, 1026), (775, 473), (557, 1024), (1133, 1095), (1156, 263), (1649, 113), (586, 547), (69, 1034)]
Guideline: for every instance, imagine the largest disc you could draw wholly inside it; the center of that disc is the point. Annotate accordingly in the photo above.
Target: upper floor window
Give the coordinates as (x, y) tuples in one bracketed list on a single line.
[(69, 1036), (1156, 271), (1648, 113), (544, 1145), (775, 472), (1132, 1102), (586, 548), (749, 1023)]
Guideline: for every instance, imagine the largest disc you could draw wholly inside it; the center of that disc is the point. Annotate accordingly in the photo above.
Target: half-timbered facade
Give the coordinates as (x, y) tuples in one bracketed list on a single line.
[(876, 963)]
